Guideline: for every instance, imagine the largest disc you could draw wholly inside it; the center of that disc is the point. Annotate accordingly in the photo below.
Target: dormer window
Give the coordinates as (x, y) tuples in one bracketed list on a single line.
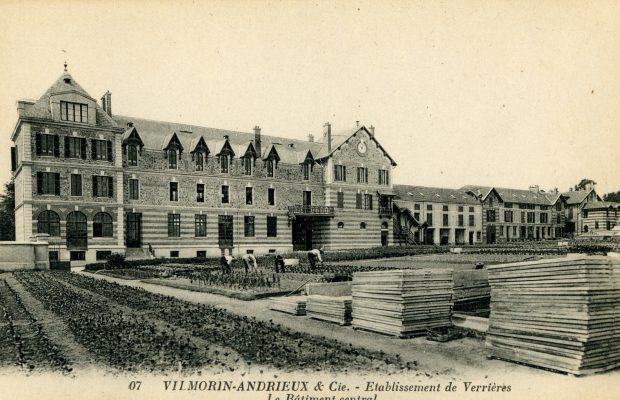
[(199, 158), (74, 112), (247, 165), (305, 170), (270, 168), (132, 155), (224, 163), (172, 159)]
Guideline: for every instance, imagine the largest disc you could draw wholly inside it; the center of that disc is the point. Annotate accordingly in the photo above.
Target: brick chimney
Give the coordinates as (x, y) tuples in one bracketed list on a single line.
[(327, 136), (311, 138), (372, 131), (106, 102), (257, 141)]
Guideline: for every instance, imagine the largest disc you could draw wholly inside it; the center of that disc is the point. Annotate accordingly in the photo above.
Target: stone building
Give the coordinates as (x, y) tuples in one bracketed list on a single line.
[(598, 218), (98, 183), (576, 200)]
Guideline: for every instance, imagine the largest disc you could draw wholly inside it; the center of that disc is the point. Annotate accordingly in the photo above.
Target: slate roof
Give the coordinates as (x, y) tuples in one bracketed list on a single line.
[(418, 194), (576, 196), (600, 205), (514, 195)]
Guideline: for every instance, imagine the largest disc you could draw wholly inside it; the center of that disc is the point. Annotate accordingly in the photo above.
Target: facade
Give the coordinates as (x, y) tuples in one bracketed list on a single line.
[(513, 214), (428, 215), (98, 183), (599, 218), (576, 200)]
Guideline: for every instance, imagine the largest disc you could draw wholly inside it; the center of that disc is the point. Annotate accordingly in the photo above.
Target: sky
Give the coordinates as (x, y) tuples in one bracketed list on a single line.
[(497, 93)]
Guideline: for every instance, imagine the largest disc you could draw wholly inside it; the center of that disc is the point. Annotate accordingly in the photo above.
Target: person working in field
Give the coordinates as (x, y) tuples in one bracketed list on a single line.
[(279, 262), (249, 262), (314, 256), (226, 262)]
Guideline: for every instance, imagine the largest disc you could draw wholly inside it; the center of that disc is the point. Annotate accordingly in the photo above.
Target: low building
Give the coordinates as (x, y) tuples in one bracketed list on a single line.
[(576, 200), (600, 217), (429, 215)]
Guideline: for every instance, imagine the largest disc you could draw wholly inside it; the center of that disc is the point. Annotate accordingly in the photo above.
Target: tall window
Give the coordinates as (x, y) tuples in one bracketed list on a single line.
[(132, 155), (48, 222), (102, 225), (248, 226), (74, 112), (531, 217), (134, 189), (358, 201), (174, 225), (200, 160), (305, 170), (340, 173), (102, 186), (472, 220), (461, 220), (522, 217), (172, 159), (544, 218), (508, 216), (384, 177), (225, 197), (249, 196), (224, 163), (271, 196), (272, 226), (490, 215), (101, 149), (429, 218), (200, 192), (76, 185), (340, 200), (362, 175), (46, 145), (367, 202), (48, 183), (200, 225), (174, 191), (247, 165), (270, 168), (75, 147), (446, 220)]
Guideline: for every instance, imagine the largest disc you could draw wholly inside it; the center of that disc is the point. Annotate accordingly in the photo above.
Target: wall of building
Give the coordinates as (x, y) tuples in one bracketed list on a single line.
[(20, 255)]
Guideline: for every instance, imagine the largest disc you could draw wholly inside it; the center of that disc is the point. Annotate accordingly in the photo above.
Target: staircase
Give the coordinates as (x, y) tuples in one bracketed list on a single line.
[(137, 253)]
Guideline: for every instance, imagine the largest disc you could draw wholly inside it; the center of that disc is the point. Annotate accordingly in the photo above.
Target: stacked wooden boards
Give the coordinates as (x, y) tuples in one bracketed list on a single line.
[(402, 303), (295, 305), (471, 291), (329, 308), (561, 314)]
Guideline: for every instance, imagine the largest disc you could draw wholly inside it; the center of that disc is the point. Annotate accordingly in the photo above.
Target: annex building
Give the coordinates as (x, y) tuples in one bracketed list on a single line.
[(98, 183)]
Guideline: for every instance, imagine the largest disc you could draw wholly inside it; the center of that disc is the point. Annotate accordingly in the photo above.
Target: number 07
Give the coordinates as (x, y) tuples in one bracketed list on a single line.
[(134, 385)]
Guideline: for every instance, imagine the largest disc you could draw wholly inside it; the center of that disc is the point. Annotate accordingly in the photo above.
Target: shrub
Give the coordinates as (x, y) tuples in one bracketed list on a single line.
[(115, 261)]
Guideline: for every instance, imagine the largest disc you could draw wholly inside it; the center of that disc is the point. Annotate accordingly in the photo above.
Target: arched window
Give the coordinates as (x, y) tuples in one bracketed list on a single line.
[(132, 155), (102, 225), (362, 225), (384, 225), (340, 225), (48, 222), (172, 159), (77, 235)]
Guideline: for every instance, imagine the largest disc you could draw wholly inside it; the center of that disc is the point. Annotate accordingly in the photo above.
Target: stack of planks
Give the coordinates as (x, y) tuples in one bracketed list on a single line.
[(402, 303), (560, 314), (329, 308), (295, 305), (472, 293)]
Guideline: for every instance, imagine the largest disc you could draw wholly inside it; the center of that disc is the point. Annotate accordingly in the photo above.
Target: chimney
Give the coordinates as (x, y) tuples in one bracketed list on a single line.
[(357, 123), (129, 124), (534, 188), (106, 102), (327, 136), (311, 138), (372, 131), (257, 141)]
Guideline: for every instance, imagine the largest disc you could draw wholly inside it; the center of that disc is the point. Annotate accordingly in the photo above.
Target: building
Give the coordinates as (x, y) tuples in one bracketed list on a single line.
[(599, 218), (428, 215), (576, 200), (514, 214), (98, 183)]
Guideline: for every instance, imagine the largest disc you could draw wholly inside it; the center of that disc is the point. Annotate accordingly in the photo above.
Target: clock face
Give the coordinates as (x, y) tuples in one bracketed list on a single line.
[(361, 148)]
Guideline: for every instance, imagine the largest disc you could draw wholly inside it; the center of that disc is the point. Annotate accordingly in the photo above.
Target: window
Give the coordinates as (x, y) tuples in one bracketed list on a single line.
[(362, 175), (460, 209), (558, 206), (471, 209), (416, 215), (608, 225), (132, 155), (224, 161), (514, 231), (201, 254), (508, 205), (445, 208), (53, 255), (270, 168), (271, 196), (368, 201), (134, 189), (340, 200), (544, 218), (522, 217), (595, 224), (172, 158), (478, 235), (200, 192), (362, 225), (103, 254), (305, 170), (48, 183), (48, 222), (247, 165), (544, 207), (416, 206), (77, 255), (248, 226), (174, 225), (446, 220), (272, 226), (340, 225), (101, 149), (75, 147), (429, 219), (531, 217), (429, 207), (384, 177), (340, 173), (76, 185), (174, 191), (363, 201), (225, 197), (174, 253), (508, 216), (472, 220), (461, 220), (501, 230), (199, 158), (200, 225), (46, 145), (585, 213), (249, 198), (102, 225), (490, 215), (358, 201), (74, 112)]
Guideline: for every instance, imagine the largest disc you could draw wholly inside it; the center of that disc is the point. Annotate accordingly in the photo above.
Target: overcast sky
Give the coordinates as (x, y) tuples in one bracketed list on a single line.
[(459, 92)]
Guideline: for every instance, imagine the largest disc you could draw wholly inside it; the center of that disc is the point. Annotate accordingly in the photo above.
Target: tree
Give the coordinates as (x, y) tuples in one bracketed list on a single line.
[(613, 196), (584, 183), (7, 212)]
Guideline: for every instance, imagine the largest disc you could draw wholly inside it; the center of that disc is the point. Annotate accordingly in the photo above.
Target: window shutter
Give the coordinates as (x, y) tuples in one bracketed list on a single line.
[(335, 172), (95, 186), (57, 184), (39, 182), (366, 175), (56, 146), (38, 144), (109, 150), (370, 201), (13, 158), (93, 144), (66, 146), (358, 200), (110, 187), (83, 148), (344, 173)]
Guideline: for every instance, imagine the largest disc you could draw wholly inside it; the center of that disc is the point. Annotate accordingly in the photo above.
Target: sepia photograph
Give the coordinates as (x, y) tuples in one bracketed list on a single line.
[(309, 200)]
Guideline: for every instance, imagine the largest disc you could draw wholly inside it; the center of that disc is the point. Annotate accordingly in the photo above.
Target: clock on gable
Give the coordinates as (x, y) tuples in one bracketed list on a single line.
[(362, 148)]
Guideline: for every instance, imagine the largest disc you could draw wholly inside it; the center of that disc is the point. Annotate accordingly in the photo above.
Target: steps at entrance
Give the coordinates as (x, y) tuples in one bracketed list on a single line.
[(137, 254)]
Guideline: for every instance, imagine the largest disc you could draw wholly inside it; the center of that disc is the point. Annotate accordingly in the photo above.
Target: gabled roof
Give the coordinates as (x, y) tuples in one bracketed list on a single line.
[(198, 143), (420, 194), (340, 138), (508, 195), (577, 196), (132, 134), (601, 205), (171, 139)]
